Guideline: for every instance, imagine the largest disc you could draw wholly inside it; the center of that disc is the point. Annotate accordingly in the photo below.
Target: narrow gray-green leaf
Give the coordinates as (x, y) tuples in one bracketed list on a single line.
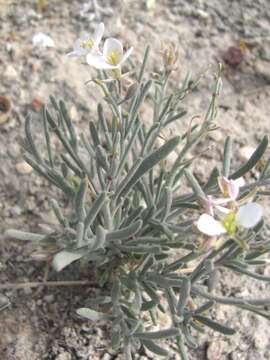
[(227, 157), (47, 136), (126, 232), (64, 258), (145, 58), (150, 161), (94, 134), (184, 295), (154, 348), (95, 208), (214, 325), (92, 314), (140, 249), (212, 181), (30, 141), (116, 291), (58, 212), (194, 184), (255, 157), (161, 334), (69, 124), (100, 239), (80, 200), (23, 235)]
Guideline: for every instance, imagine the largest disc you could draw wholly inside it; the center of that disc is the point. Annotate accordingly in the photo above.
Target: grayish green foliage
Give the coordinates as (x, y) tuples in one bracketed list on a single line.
[(125, 214)]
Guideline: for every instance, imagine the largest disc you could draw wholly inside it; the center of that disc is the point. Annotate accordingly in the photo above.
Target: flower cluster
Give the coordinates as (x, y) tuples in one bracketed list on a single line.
[(111, 57), (226, 215)]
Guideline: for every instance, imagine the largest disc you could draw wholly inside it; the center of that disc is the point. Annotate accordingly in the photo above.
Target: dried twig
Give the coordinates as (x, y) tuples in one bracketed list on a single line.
[(47, 284)]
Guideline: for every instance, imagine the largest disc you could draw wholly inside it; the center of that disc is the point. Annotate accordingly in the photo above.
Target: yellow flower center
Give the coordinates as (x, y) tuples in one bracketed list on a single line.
[(226, 191), (114, 57), (87, 44), (230, 223)]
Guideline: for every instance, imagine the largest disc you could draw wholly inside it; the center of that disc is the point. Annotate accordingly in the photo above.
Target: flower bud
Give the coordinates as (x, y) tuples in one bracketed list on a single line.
[(170, 56)]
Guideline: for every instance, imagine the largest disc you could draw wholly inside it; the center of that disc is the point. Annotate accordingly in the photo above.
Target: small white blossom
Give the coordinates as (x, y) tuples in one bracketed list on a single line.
[(247, 217), (112, 57), (87, 44)]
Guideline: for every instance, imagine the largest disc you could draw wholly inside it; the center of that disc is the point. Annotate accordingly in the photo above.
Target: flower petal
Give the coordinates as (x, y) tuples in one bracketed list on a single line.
[(72, 54), (233, 189), (221, 201), (249, 215), (222, 183), (126, 55), (112, 45), (240, 181), (99, 62), (209, 226), (77, 49), (221, 210), (228, 187), (77, 53), (208, 205), (98, 34)]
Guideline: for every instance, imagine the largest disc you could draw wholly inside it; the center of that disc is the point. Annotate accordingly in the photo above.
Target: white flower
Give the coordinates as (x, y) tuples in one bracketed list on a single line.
[(112, 57), (86, 43), (247, 216)]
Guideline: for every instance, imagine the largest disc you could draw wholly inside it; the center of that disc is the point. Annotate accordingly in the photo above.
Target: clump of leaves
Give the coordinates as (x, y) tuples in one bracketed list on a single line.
[(127, 218)]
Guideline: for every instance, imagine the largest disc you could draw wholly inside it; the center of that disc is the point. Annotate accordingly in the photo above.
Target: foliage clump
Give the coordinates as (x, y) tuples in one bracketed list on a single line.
[(157, 250)]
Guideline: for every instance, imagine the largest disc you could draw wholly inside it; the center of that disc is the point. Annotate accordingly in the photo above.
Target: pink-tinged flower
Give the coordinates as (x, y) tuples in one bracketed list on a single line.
[(112, 57), (230, 188), (87, 44), (247, 216)]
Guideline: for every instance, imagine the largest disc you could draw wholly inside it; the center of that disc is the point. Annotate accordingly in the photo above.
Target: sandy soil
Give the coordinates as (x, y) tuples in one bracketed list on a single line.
[(42, 324)]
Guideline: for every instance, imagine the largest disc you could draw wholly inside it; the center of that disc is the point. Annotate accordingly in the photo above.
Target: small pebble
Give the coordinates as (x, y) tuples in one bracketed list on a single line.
[(74, 114), (27, 291), (261, 68), (265, 53), (23, 168), (64, 356), (4, 302), (201, 14), (49, 298), (106, 357), (215, 350), (15, 211), (10, 73), (261, 339)]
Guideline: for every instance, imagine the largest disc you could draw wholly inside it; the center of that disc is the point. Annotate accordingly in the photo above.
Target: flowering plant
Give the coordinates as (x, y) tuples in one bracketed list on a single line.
[(126, 216)]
